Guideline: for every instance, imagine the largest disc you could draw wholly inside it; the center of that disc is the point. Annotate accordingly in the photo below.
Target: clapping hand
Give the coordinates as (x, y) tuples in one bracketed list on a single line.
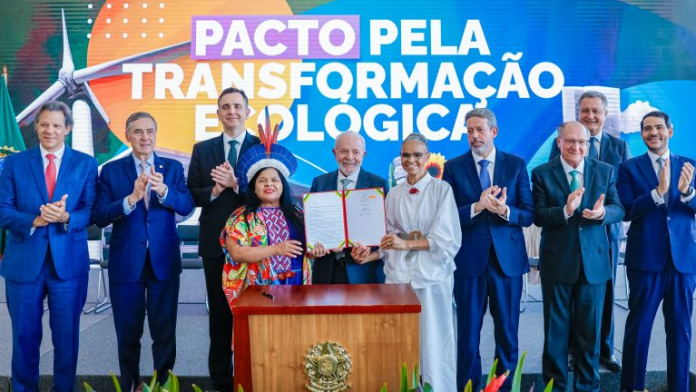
[(686, 177), (574, 200), (224, 177), (597, 211), (487, 200), (139, 188), (157, 182), (55, 212)]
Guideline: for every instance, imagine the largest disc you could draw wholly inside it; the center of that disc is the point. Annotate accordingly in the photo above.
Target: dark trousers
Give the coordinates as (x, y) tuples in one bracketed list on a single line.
[(472, 296), (131, 301), (579, 304), (220, 326), (676, 291), (25, 305), (606, 343)]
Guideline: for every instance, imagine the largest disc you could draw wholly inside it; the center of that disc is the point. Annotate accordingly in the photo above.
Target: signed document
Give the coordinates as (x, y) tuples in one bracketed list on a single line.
[(340, 219)]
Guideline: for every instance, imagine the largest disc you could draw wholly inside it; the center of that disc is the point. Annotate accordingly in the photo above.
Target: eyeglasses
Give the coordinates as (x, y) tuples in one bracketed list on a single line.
[(579, 143), (417, 155)]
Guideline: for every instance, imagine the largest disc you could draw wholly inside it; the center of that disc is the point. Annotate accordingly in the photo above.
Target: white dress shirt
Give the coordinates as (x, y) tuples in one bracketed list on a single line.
[(353, 180)]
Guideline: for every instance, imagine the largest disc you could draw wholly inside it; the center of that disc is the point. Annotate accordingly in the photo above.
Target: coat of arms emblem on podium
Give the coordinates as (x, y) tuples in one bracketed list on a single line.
[(327, 365)]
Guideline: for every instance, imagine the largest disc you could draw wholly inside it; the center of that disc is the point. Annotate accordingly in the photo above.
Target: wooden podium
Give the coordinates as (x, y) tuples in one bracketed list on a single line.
[(376, 324)]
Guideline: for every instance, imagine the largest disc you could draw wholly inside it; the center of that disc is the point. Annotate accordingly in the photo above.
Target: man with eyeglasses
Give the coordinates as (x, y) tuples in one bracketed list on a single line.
[(592, 113), (491, 189), (574, 199), (657, 191), (336, 266)]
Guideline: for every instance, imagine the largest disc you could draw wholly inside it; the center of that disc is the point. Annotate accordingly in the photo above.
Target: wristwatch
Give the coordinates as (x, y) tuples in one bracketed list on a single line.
[(688, 192)]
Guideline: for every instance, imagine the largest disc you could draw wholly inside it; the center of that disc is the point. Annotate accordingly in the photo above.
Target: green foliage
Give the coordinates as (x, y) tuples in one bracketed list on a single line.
[(468, 387), (517, 378), (492, 372), (549, 386)]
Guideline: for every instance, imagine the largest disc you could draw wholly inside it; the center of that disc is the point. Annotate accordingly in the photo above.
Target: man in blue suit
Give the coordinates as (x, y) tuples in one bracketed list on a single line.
[(491, 188), (46, 196), (574, 199), (214, 188), (657, 191), (592, 113), (337, 266), (140, 195)]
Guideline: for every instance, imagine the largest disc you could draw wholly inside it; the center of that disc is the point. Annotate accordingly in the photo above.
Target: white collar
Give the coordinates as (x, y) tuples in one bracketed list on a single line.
[(490, 158), (653, 156), (567, 168), (58, 153)]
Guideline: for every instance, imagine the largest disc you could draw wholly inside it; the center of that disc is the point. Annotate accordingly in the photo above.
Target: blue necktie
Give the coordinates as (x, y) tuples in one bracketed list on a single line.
[(593, 154), (484, 177), (232, 156)]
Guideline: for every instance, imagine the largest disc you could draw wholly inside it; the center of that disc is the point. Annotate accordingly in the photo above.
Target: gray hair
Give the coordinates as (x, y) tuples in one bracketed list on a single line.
[(56, 106), (349, 133), (561, 128), (417, 137), (137, 116), (595, 94), (483, 113)]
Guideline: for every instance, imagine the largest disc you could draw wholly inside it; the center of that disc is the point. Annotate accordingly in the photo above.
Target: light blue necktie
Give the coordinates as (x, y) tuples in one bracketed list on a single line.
[(661, 166), (484, 177)]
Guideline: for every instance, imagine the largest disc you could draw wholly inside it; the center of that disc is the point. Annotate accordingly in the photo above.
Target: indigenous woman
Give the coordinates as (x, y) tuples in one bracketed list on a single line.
[(423, 237), (263, 240)]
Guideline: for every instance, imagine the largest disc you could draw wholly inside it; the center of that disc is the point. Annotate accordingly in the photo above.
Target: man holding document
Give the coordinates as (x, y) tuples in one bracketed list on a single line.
[(337, 265), (423, 237)]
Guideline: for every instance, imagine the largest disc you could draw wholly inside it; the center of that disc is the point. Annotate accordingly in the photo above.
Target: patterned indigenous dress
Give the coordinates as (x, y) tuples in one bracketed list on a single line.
[(265, 227)]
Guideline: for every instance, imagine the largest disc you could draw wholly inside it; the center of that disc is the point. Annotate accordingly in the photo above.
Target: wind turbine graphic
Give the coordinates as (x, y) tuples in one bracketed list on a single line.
[(75, 82)]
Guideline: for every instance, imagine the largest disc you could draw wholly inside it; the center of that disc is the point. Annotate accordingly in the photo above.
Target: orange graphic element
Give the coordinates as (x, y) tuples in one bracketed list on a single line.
[(125, 28)]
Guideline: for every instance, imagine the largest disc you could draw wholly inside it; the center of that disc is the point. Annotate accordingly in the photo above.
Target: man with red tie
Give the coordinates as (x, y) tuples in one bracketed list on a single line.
[(46, 196)]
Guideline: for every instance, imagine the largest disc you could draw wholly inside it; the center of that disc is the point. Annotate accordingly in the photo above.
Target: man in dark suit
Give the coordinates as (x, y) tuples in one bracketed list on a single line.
[(141, 195), (574, 199), (337, 266), (592, 113), (494, 200), (46, 196), (213, 185), (657, 191)]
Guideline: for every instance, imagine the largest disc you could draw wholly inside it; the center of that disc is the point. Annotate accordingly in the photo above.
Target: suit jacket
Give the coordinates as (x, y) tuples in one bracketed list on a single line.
[(206, 156), (657, 232), (329, 182), (22, 193), (613, 151), (487, 228), (143, 228), (567, 246)]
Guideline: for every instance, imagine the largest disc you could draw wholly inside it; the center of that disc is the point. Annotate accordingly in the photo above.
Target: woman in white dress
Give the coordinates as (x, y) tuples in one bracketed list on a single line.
[(423, 237)]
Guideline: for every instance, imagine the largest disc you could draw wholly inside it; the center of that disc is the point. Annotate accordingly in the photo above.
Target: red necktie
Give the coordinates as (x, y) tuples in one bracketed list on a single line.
[(413, 191), (50, 175)]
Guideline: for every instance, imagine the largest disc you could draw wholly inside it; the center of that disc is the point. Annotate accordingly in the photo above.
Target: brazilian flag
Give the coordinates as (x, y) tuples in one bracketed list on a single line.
[(11, 140)]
